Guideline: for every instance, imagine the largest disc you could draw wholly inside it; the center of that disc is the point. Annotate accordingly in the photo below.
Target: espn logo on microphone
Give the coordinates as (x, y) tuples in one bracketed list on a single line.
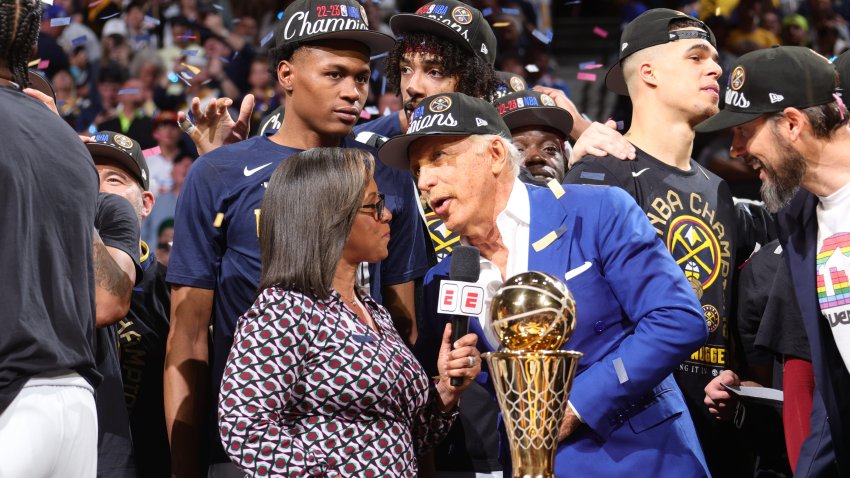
[(460, 298)]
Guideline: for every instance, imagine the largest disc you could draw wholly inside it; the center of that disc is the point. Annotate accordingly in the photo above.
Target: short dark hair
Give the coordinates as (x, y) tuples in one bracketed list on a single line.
[(281, 53), (475, 77), (308, 210), (825, 119), (20, 21)]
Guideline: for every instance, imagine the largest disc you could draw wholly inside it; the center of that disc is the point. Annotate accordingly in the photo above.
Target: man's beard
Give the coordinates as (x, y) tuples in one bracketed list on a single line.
[(781, 183)]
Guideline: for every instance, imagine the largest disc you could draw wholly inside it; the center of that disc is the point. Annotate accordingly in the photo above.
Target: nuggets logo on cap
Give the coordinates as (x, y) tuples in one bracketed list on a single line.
[(737, 78), (123, 141), (462, 15), (440, 104), (547, 100), (517, 83)]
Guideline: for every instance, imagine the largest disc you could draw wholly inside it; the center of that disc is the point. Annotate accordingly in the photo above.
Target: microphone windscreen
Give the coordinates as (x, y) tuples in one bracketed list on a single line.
[(465, 265)]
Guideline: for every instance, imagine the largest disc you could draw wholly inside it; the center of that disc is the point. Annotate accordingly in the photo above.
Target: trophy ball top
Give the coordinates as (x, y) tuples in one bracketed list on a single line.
[(533, 311)]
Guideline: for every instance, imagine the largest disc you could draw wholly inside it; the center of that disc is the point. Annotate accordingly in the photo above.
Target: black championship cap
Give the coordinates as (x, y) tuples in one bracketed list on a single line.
[(649, 29), (454, 21), (313, 20), (530, 108), (509, 83), (842, 65), (447, 114), (770, 80), (120, 148)]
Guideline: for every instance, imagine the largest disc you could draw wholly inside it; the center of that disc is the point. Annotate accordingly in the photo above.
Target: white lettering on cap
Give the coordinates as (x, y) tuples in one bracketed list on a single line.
[(737, 99), (775, 98), (426, 121), (452, 25), (300, 25)]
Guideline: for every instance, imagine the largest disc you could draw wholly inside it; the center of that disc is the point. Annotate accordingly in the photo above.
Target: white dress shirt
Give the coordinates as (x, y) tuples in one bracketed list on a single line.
[(513, 224)]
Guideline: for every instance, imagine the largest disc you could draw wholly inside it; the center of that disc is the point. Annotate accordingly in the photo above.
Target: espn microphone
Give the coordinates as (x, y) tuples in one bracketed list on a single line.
[(468, 298)]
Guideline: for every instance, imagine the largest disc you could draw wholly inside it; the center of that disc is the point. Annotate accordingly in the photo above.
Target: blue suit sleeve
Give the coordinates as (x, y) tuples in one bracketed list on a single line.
[(653, 292)]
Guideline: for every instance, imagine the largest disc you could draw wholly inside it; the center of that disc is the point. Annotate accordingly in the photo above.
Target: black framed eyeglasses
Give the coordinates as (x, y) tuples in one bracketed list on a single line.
[(378, 207)]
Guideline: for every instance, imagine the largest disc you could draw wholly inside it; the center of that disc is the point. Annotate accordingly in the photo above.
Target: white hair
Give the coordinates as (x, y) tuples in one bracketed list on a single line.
[(514, 157)]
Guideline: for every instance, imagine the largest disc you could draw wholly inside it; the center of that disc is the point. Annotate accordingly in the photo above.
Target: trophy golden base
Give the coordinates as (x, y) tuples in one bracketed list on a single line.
[(533, 388)]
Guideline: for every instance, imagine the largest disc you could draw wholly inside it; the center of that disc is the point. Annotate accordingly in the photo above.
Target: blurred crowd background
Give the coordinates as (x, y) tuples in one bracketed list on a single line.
[(129, 66)]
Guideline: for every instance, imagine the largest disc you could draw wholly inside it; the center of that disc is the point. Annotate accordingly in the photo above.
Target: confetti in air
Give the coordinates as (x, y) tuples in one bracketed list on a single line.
[(589, 65), (60, 22), (600, 32), (582, 76), (267, 38), (151, 152), (79, 41), (532, 68), (546, 39), (128, 91)]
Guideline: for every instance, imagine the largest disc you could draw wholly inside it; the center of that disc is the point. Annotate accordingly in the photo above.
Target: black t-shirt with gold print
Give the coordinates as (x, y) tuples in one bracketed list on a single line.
[(694, 215)]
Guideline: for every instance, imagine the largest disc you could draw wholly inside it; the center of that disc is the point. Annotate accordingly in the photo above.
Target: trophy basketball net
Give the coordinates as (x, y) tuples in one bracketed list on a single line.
[(533, 315)]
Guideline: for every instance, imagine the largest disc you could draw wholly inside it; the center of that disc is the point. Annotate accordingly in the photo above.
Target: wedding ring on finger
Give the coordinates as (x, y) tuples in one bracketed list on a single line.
[(471, 359)]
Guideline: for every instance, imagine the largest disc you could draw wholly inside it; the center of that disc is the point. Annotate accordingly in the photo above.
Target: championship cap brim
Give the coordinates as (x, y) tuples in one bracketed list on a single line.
[(550, 117), (102, 150), (615, 81), (402, 23), (725, 119), (377, 42), (40, 83), (394, 153)]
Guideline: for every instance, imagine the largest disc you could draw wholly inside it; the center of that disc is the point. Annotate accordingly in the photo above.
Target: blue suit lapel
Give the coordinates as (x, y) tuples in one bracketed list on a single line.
[(552, 228)]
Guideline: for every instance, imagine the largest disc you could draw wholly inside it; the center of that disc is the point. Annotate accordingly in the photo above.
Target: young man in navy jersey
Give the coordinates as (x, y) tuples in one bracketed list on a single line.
[(322, 55)]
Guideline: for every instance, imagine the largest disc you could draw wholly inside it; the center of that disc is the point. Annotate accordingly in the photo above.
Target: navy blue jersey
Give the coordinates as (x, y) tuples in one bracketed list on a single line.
[(216, 225)]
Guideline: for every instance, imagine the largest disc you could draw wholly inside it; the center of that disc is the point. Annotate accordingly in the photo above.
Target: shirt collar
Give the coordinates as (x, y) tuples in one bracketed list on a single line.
[(518, 207)]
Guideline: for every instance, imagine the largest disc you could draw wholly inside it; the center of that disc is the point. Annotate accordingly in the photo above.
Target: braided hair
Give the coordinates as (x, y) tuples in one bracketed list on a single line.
[(20, 21)]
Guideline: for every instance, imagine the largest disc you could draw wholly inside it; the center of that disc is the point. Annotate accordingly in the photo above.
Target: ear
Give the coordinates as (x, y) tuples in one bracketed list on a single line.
[(147, 203), (285, 75), (795, 121), (647, 74), (499, 154)]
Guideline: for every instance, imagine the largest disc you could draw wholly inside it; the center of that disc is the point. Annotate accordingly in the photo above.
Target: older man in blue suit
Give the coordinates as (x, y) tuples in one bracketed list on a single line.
[(638, 317)]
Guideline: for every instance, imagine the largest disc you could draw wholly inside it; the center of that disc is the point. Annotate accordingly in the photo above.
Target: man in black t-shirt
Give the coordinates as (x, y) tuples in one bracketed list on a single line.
[(668, 66), (141, 335), (48, 195)]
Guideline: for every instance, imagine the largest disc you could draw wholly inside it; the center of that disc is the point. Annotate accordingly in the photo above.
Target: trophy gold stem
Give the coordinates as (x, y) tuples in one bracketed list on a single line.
[(533, 388)]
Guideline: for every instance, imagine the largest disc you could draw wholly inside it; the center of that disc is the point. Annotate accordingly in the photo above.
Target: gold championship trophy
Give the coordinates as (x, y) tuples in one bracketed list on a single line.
[(533, 315)]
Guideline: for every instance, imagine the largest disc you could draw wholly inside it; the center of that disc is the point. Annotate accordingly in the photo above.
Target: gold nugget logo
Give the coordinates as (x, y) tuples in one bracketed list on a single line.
[(712, 317), (123, 141), (696, 250), (737, 78), (462, 15), (440, 104)]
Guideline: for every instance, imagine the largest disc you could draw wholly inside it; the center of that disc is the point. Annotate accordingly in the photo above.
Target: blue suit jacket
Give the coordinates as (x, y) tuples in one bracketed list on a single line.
[(798, 233), (634, 307)]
